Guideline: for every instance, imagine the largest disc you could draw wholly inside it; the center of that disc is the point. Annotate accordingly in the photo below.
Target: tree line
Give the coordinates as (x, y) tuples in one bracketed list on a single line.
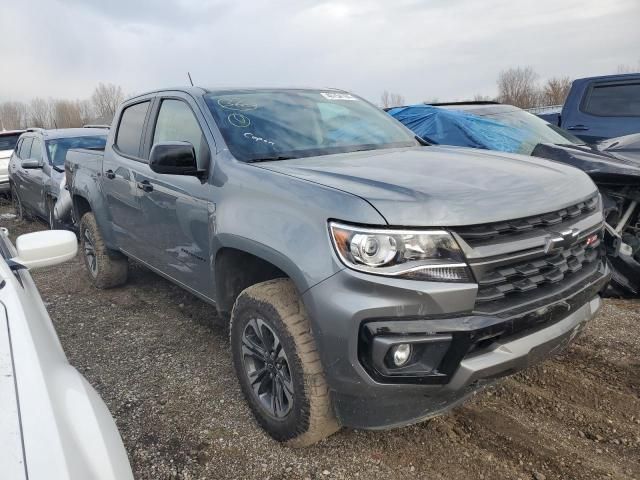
[(518, 86), (61, 113)]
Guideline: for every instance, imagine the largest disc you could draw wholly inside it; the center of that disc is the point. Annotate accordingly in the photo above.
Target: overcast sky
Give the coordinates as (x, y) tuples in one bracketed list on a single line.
[(444, 49)]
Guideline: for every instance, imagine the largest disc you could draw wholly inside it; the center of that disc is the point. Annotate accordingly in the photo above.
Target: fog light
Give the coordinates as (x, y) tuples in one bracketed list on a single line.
[(400, 354)]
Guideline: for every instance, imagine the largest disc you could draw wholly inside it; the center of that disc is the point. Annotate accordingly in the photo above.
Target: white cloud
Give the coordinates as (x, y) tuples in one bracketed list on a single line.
[(422, 49)]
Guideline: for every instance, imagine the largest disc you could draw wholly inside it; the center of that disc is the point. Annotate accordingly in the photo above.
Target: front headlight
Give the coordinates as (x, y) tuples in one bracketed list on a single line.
[(415, 254)]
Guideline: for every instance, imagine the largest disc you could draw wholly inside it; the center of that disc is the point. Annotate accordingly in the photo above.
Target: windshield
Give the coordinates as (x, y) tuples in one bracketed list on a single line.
[(534, 129), (279, 124), (8, 142), (58, 147)]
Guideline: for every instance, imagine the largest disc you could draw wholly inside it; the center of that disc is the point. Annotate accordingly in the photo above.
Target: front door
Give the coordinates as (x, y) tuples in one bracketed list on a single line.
[(176, 207)]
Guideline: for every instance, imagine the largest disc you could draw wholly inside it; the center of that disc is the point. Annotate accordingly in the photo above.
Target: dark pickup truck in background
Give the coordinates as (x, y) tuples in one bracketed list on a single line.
[(370, 281), (598, 108)]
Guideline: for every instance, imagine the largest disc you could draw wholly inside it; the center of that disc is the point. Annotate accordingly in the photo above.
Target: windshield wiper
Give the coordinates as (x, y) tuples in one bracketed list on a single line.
[(422, 141), (270, 159), (58, 169)]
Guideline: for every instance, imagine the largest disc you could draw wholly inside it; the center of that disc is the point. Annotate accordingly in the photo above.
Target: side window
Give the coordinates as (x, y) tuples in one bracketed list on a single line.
[(17, 149), (36, 149), (25, 148), (613, 100), (176, 123), (130, 128)]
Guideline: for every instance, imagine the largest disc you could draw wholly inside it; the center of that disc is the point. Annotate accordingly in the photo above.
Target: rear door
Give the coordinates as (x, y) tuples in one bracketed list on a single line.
[(608, 109), (176, 207), (19, 174), (34, 179), (122, 169)]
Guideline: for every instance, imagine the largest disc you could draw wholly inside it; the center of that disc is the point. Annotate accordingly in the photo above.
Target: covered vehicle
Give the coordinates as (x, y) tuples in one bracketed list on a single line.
[(613, 165)]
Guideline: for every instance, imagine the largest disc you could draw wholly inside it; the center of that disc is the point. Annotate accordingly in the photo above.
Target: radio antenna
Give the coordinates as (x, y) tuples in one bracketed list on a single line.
[(190, 81)]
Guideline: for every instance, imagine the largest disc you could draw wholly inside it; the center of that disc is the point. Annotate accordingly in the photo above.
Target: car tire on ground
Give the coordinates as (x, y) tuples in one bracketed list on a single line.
[(278, 365), (18, 207), (106, 268)]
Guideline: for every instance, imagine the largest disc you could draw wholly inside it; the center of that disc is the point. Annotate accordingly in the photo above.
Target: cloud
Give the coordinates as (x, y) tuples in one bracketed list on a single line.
[(422, 49)]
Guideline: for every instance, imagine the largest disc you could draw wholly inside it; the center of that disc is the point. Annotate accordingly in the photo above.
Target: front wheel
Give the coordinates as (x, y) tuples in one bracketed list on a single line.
[(106, 268), (278, 365)]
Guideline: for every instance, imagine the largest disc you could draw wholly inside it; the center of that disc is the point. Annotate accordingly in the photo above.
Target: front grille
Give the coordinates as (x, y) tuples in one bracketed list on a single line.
[(475, 234), (521, 277), (507, 284)]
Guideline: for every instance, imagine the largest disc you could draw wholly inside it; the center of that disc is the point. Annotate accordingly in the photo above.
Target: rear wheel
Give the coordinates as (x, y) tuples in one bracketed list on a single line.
[(106, 268), (278, 365)]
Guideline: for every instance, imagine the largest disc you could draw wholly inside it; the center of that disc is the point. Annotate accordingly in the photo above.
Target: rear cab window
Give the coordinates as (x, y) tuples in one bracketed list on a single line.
[(130, 128), (615, 99)]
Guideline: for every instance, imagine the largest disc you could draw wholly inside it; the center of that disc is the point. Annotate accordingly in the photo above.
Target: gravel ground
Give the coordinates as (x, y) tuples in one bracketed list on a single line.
[(162, 364)]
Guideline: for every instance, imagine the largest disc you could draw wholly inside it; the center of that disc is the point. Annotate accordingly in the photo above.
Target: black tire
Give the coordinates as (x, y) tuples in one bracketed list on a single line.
[(18, 207), (106, 268), (306, 416)]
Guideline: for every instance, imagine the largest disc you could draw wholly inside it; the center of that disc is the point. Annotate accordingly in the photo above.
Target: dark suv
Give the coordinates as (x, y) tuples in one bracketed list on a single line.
[(37, 165)]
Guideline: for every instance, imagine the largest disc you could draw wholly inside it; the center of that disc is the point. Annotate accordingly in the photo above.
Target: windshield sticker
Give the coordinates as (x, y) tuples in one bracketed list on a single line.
[(255, 138), (337, 96), (239, 120), (236, 104)]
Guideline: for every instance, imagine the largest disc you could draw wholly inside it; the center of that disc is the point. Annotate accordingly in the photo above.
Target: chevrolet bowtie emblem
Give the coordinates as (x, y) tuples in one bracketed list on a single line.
[(561, 240)]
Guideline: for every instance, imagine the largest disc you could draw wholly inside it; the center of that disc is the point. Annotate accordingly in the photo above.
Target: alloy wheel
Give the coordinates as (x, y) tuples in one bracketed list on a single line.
[(267, 368), (90, 253)]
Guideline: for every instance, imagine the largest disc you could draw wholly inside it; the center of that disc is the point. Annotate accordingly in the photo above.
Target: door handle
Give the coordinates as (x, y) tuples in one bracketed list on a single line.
[(578, 127), (109, 174), (145, 186)]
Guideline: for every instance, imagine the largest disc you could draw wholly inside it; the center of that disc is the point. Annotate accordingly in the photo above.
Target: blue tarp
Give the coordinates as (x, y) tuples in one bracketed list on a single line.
[(453, 127)]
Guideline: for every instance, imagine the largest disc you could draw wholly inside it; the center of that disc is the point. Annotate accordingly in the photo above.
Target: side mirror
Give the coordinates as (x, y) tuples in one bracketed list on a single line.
[(49, 247), (173, 158), (30, 164)]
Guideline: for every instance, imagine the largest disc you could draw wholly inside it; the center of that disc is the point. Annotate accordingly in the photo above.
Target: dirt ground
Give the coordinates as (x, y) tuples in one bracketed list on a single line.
[(163, 367)]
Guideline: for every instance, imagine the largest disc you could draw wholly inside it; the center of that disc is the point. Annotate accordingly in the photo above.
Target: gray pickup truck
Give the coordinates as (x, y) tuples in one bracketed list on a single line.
[(370, 280)]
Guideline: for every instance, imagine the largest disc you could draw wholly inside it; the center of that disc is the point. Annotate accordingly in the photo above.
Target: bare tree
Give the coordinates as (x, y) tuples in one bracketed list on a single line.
[(517, 86), (388, 100), (67, 114), (40, 113), (555, 91), (87, 113), (106, 98), (622, 68), (478, 97), (13, 115)]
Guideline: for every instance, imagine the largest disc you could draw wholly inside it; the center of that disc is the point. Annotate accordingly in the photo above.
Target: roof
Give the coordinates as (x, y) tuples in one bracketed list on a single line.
[(477, 107), (10, 132), (618, 76), (203, 90), (71, 132)]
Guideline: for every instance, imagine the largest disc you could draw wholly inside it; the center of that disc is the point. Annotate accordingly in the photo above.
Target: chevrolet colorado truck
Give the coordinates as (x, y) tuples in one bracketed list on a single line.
[(370, 280)]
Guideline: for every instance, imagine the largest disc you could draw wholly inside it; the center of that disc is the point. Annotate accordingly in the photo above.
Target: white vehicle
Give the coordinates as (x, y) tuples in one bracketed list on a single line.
[(53, 424), (8, 140)]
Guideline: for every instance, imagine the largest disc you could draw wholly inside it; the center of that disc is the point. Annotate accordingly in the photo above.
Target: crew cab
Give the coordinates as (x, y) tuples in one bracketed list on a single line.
[(599, 108), (370, 280)]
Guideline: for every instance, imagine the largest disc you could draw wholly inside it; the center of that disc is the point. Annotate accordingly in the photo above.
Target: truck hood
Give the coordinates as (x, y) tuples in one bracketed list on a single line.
[(445, 186), (604, 165)]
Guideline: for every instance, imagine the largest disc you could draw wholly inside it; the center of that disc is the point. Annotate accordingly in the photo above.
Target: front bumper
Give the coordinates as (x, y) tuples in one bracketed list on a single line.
[(344, 305)]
